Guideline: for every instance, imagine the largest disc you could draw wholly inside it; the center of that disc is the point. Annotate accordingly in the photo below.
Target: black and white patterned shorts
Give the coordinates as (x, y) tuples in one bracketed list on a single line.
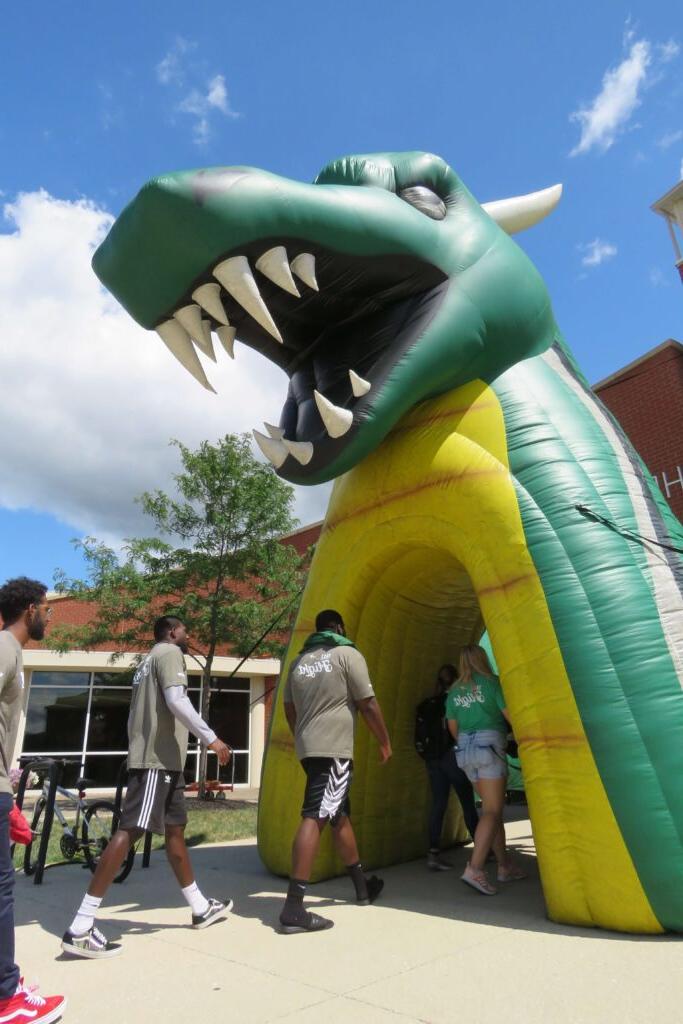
[(328, 782), (154, 799)]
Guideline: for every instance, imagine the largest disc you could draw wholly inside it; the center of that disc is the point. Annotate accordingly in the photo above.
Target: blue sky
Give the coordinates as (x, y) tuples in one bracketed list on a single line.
[(98, 98)]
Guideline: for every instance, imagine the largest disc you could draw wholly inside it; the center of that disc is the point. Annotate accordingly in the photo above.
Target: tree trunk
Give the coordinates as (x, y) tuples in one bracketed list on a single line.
[(204, 712)]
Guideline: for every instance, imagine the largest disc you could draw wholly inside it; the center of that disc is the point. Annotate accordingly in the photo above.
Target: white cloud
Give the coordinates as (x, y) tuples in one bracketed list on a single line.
[(658, 279), (605, 117), (670, 139), (609, 113), (171, 68), (89, 399), (217, 96), (596, 252), (201, 104), (668, 51)]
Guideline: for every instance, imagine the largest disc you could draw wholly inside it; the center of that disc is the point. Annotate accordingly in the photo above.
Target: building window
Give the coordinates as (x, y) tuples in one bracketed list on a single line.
[(83, 717), (229, 717), (57, 713)]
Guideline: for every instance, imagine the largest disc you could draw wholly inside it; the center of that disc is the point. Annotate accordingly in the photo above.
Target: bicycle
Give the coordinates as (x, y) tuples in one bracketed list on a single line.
[(98, 821)]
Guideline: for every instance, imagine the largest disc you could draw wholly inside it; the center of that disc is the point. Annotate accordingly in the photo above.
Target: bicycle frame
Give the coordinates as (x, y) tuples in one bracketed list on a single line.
[(76, 802)]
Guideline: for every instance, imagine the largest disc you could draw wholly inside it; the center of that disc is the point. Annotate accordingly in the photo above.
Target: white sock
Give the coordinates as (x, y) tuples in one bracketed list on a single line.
[(197, 901), (85, 918)]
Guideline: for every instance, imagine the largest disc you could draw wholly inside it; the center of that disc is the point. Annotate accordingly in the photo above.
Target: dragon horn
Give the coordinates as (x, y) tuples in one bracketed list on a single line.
[(521, 212)]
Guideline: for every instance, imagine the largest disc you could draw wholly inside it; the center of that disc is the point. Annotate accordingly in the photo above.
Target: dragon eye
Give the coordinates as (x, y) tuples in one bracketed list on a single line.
[(424, 200)]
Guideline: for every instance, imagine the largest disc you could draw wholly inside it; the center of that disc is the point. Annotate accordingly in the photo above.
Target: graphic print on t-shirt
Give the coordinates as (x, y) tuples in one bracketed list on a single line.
[(466, 700), (313, 668)]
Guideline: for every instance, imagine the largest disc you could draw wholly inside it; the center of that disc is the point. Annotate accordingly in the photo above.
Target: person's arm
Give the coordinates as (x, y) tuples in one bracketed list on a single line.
[(452, 724), (180, 706), (374, 719), (290, 715), (7, 667), (363, 696)]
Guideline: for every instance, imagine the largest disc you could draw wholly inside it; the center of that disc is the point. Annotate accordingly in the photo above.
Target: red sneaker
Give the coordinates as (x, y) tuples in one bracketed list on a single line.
[(27, 1007)]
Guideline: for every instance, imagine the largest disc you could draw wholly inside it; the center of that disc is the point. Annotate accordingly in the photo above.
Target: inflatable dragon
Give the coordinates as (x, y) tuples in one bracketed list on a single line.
[(479, 485)]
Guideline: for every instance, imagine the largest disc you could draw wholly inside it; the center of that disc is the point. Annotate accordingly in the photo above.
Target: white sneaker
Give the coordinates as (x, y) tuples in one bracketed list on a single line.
[(92, 946)]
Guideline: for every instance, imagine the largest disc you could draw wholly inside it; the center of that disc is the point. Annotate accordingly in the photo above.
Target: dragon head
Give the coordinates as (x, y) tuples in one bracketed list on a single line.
[(382, 284)]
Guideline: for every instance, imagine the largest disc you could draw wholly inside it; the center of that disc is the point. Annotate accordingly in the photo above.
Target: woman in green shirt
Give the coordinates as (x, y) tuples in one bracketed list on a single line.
[(478, 721)]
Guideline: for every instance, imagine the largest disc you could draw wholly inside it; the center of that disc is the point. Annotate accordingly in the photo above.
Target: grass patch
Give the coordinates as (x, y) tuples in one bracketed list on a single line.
[(219, 822)]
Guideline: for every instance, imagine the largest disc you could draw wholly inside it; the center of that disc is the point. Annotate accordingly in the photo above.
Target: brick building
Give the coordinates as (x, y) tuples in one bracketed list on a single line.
[(647, 399)]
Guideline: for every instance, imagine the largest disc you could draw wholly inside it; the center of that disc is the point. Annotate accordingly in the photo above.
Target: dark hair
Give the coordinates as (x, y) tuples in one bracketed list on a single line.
[(164, 625), (16, 596), (451, 669), (327, 619)]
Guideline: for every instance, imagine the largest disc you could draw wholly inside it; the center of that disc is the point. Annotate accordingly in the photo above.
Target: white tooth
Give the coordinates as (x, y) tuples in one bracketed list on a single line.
[(359, 386), (337, 420), (276, 432), (190, 317), (176, 338), (236, 277), (209, 298), (271, 448), (302, 451), (207, 345), (275, 266), (227, 338), (303, 266)]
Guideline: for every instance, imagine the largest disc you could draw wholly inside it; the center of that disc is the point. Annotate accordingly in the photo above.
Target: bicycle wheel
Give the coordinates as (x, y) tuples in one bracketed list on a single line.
[(100, 821), (33, 848)]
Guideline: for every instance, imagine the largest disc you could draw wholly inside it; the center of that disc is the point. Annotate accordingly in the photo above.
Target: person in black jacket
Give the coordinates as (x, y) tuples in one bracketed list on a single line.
[(434, 744)]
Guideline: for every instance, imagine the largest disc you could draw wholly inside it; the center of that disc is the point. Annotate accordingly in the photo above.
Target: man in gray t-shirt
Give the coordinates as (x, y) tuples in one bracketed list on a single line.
[(328, 683), (160, 716), (156, 738), (325, 685), (25, 613)]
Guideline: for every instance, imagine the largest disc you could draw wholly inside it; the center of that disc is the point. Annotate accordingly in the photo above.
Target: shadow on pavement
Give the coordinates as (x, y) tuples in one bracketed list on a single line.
[(235, 870)]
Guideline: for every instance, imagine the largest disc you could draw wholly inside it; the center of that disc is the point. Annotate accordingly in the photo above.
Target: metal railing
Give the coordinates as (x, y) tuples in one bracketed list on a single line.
[(54, 771)]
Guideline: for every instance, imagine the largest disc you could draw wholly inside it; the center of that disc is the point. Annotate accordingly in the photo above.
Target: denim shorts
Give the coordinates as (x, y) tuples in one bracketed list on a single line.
[(482, 755)]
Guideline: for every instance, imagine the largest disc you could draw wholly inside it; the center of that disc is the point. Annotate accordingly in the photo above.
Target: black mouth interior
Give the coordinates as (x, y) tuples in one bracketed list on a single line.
[(367, 313)]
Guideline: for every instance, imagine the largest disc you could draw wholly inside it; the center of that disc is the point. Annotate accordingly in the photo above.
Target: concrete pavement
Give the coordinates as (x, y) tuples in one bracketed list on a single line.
[(432, 951)]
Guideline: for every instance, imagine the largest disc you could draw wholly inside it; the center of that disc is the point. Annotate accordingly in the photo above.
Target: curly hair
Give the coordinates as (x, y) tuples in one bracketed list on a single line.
[(16, 595)]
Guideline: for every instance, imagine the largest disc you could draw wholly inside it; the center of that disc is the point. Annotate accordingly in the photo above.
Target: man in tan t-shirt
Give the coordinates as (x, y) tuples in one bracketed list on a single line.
[(160, 716), (25, 614), (328, 683)]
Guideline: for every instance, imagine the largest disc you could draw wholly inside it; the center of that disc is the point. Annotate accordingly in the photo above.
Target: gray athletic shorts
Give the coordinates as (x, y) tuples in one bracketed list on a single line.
[(154, 799)]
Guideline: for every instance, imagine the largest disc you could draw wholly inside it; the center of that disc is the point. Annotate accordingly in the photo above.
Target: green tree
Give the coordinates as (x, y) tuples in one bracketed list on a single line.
[(215, 560)]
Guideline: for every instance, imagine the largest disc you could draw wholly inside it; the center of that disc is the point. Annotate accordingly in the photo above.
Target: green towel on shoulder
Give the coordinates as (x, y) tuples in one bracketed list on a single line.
[(327, 638)]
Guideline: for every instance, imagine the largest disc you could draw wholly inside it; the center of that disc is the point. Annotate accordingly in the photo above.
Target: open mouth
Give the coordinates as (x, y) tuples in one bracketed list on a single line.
[(335, 323), (371, 288)]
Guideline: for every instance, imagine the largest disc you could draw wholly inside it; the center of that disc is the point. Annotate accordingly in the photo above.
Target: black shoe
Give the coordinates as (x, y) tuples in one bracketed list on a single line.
[(214, 912), (435, 862), (305, 921), (91, 946), (375, 886)]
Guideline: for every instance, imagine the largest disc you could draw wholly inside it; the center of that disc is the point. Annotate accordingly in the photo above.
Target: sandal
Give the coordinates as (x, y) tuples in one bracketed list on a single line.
[(511, 874), (478, 880), (306, 922)]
